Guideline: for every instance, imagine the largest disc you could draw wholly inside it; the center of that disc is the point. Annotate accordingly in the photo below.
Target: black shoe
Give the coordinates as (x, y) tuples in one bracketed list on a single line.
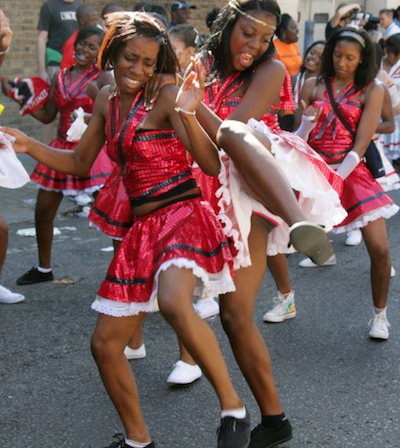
[(120, 442), (35, 276), (262, 437), (234, 432)]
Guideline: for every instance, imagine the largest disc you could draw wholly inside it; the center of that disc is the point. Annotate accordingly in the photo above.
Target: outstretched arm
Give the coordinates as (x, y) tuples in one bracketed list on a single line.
[(76, 162)]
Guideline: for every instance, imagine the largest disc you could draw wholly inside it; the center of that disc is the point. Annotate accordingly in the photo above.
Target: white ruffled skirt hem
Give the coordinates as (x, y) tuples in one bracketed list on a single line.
[(208, 285)]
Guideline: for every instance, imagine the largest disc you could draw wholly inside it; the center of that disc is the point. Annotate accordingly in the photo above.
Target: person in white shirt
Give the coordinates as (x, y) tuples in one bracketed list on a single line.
[(386, 21)]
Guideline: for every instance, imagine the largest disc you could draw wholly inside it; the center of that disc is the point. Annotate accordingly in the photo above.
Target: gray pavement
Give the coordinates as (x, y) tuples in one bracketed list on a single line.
[(339, 388)]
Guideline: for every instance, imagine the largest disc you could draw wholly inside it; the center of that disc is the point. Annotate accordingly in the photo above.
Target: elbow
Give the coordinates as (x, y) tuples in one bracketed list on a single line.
[(391, 128)]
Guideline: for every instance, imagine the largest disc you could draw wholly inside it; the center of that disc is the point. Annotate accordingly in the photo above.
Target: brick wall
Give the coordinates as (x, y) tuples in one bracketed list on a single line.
[(21, 60)]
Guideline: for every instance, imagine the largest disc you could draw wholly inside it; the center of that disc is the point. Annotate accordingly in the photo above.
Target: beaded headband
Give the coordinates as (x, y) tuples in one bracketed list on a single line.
[(353, 35), (235, 5)]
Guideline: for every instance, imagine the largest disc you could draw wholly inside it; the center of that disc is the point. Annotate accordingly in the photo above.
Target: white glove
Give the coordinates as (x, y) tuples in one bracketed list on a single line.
[(306, 126), (349, 163)]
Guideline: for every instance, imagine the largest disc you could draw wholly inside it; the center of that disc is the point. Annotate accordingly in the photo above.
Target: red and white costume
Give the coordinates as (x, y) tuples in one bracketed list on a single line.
[(306, 172), (362, 196), (391, 142), (184, 233), (68, 97)]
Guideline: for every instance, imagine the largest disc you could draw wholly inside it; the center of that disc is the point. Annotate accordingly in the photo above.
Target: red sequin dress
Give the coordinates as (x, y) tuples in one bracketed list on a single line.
[(185, 233), (362, 196), (71, 96), (307, 173)]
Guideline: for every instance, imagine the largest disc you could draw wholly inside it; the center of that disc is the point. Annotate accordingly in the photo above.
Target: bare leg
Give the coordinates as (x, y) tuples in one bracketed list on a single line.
[(237, 310), (3, 242), (376, 240), (46, 208), (108, 342), (249, 151), (136, 339), (185, 355), (279, 269), (175, 293), (259, 169)]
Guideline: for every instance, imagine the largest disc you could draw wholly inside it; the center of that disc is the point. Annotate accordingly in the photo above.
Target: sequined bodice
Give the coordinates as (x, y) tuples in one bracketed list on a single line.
[(152, 161), (71, 96), (329, 137)]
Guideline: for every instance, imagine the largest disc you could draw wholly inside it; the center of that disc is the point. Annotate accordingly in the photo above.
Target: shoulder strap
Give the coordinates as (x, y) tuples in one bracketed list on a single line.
[(336, 109)]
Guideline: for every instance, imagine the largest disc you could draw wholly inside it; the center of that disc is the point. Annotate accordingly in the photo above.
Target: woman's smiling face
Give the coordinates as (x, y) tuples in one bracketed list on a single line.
[(250, 40), (136, 64)]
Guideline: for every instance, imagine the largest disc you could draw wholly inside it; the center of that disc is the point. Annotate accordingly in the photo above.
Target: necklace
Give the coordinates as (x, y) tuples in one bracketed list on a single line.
[(339, 90)]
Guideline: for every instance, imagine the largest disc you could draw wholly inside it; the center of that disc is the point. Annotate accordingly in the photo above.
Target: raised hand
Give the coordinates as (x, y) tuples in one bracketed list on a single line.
[(191, 92), (311, 112)]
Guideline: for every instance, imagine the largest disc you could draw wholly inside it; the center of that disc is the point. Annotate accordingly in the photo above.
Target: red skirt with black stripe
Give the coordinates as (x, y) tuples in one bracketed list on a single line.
[(52, 180), (364, 200), (186, 234)]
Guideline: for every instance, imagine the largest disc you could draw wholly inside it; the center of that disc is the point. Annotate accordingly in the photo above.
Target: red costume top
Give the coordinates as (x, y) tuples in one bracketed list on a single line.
[(362, 194), (68, 97)]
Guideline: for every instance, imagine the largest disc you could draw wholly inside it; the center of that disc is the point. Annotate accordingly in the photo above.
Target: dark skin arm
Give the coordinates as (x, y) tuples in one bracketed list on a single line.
[(256, 99), (386, 126), (76, 162)]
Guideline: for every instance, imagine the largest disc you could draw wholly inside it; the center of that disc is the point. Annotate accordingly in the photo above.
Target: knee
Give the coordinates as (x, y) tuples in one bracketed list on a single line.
[(228, 130), (101, 348), (234, 320), (169, 309), (380, 254), (43, 216)]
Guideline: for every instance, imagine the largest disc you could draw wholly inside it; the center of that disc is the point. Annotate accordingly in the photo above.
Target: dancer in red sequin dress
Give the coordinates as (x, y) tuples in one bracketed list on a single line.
[(176, 245), (68, 93), (247, 85), (348, 71)]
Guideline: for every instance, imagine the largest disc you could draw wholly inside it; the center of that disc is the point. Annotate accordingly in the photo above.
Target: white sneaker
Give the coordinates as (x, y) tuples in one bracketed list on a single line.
[(307, 263), (354, 238), (285, 308), (207, 308), (392, 272), (379, 327), (83, 199), (6, 296), (183, 373), (137, 353)]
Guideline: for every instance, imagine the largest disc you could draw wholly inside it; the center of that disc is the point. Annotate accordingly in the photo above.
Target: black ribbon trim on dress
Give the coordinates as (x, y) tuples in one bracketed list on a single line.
[(331, 156), (146, 197), (148, 138), (371, 198), (85, 78), (196, 250), (74, 178), (120, 281), (109, 220)]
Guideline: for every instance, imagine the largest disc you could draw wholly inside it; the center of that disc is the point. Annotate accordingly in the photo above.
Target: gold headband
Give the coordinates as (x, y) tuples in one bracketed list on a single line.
[(235, 5)]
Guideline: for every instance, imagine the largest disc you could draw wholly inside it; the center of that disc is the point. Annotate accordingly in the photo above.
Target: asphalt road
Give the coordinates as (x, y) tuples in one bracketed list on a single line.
[(339, 388)]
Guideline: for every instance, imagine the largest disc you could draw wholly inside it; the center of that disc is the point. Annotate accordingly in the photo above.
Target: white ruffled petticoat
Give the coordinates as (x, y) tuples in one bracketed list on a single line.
[(208, 285), (317, 199)]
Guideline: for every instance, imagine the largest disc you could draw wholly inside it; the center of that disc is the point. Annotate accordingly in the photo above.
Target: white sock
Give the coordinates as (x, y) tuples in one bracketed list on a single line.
[(44, 270), (134, 444), (237, 413), (285, 296), (380, 310)]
